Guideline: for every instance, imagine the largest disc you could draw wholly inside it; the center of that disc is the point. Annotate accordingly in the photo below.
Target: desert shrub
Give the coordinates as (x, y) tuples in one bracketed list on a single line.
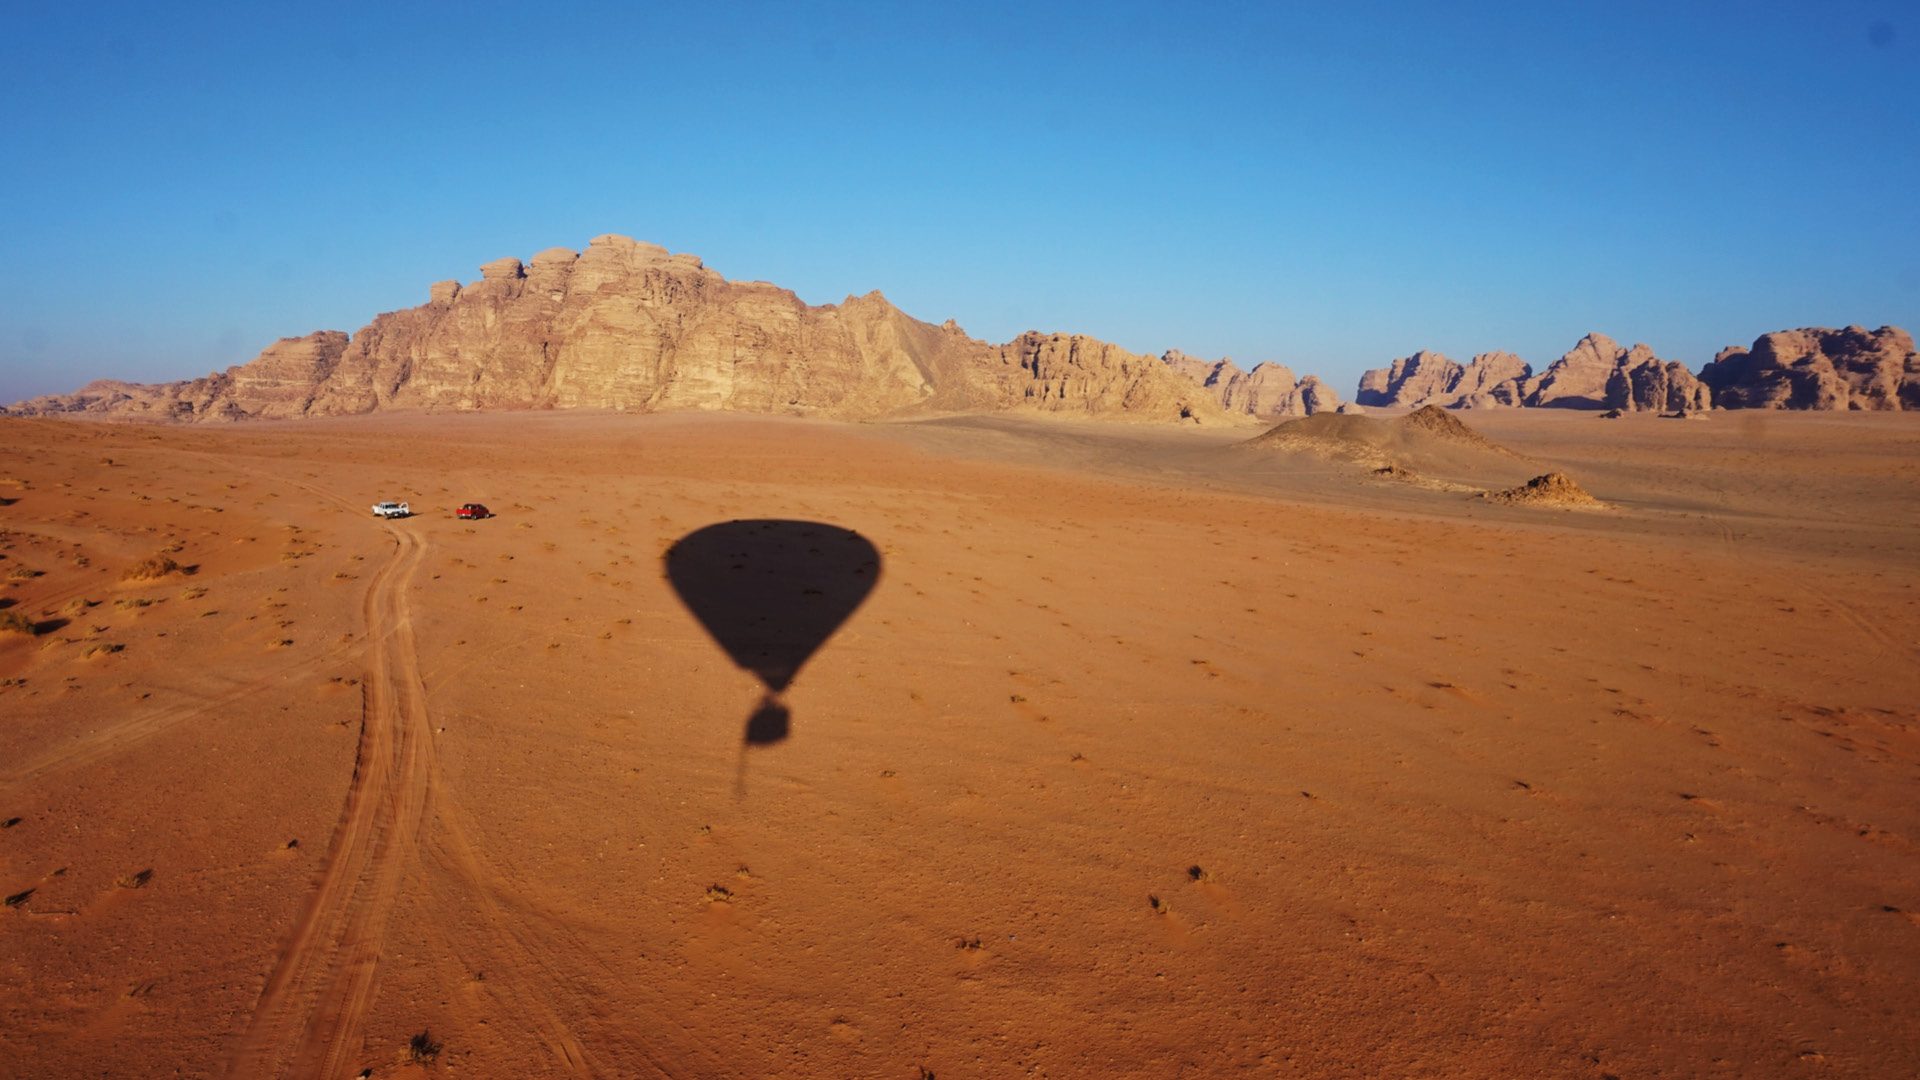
[(13, 622), (151, 567), (422, 1047)]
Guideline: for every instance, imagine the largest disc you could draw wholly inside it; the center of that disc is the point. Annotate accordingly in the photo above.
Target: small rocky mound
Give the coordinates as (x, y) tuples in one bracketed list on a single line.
[(1548, 489), (1441, 424), (1338, 434), (1611, 414), (1427, 431), (1427, 448)]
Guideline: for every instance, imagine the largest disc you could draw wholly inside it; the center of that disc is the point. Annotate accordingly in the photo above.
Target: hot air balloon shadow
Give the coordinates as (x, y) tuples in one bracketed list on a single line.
[(771, 592)]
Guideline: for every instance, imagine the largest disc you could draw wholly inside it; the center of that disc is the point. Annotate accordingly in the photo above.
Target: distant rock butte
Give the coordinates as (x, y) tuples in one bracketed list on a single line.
[(626, 325), (1598, 374), (1818, 368), (1268, 390), (1813, 368), (1429, 378)]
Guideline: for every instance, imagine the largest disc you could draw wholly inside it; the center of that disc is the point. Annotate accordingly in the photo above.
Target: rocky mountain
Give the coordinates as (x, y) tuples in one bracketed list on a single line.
[(1268, 390), (626, 325), (1491, 379), (1818, 368), (1597, 373), (1429, 378)]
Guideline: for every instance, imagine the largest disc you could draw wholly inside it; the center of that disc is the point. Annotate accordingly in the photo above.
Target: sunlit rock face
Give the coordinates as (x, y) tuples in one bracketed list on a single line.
[(1819, 368), (628, 325)]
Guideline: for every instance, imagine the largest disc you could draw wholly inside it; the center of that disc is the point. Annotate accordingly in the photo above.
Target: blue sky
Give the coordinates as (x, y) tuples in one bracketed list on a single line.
[(1327, 185)]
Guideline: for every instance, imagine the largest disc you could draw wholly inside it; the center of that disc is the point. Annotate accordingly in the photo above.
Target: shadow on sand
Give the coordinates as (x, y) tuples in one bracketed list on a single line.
[(771, 592)]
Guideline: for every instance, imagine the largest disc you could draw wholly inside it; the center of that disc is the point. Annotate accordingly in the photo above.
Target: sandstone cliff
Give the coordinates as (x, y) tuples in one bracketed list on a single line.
[(1268, 390), (626, 325), (1819, 368), (1429, 378), (1491, 379), (1597, 373)]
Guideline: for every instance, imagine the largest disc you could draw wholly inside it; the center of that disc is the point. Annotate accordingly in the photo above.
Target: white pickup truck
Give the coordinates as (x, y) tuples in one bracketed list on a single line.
[(391, 510)]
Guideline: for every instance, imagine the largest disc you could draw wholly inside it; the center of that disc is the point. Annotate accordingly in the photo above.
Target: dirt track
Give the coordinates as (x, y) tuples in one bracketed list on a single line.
[(309, 1019)]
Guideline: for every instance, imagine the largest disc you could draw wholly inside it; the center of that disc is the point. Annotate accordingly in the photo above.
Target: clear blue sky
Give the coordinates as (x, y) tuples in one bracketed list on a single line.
[(1330, 185)]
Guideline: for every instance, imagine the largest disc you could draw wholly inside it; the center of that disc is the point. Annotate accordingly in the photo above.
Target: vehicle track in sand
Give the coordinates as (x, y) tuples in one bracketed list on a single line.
[(307, 1022), (1882, 640), (396, 823), (513, 942)]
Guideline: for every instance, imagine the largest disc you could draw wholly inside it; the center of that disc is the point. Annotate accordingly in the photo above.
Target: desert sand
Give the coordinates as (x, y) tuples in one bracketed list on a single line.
[(1144, 753)]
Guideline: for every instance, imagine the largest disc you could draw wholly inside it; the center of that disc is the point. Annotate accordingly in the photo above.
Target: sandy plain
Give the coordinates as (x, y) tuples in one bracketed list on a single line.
[(1146, 756)]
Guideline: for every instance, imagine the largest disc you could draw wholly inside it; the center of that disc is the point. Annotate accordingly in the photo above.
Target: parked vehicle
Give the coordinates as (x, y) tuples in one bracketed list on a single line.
[(392, 510), (473, 511)]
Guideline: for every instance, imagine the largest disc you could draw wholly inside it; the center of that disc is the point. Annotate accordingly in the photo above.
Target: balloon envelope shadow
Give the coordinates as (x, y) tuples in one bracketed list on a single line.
[(771, 592)]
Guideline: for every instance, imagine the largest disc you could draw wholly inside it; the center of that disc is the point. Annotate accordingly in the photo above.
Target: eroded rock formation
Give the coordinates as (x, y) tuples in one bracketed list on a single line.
[(626, 325), (1819, 368), (1597, 373), (1267, 391), (1492, 379), (1429, 378)]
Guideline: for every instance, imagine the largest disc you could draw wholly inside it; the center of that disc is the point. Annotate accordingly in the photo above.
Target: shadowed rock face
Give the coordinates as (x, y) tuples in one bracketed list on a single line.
[(1819, 368), (626, 325), (1269, 390)]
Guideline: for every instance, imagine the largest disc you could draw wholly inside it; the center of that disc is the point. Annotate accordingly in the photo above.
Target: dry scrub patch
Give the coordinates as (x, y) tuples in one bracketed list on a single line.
[(151, 568)]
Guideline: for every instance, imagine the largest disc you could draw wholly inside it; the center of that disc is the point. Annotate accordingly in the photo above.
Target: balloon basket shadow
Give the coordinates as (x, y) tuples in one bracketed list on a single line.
[(768, 725), (769, 722)]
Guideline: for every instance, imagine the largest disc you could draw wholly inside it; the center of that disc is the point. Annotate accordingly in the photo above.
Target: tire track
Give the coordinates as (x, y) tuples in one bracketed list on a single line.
[(504, 946), (308, 1019), (1883, 640), (1886, 641)]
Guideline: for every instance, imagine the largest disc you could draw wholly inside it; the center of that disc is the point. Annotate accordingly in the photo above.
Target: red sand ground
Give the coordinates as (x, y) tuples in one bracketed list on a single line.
[(1472, 790)]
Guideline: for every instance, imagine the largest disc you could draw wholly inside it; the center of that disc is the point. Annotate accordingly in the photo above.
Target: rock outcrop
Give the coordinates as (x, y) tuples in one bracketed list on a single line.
[(1429, 378), (1598, 374), (1267, 391), (1819, 368), (1420, 379), (1548, 489), (1643, 381), (626, 325), (1578, 380), (1492, 379), (1076, 373), (1595, 374)]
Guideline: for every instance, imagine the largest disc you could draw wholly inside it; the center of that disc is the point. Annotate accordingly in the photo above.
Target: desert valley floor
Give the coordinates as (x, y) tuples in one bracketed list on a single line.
[(1148, 755)]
